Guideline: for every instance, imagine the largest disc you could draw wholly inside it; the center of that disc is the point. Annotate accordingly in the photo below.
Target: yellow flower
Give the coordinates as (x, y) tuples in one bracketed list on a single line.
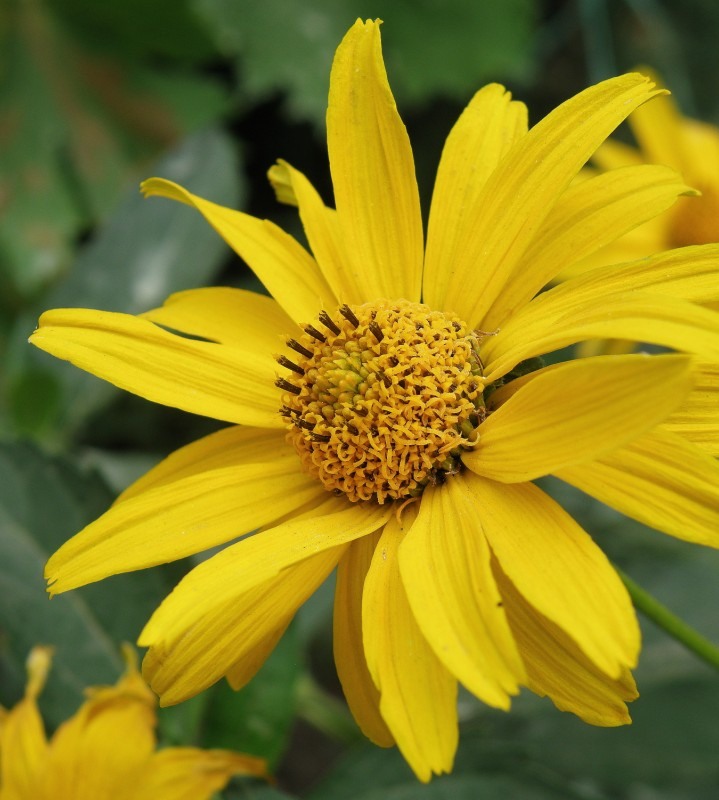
[(107, 750), (686, 145), (400, 435)]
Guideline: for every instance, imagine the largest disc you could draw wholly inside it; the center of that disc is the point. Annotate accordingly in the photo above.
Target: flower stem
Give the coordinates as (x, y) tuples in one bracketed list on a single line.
[(678, 629)]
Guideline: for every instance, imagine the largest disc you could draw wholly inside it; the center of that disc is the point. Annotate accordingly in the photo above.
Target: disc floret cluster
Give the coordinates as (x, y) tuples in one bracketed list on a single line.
[(381, 401)]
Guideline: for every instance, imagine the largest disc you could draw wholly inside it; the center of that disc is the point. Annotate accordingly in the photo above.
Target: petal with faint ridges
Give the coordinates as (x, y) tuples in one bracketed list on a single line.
[(559, 669), (418, 696), (323, 232), (288, 271), (178, 519), (538, 545), (486, 129), (641, 316), (262, 556), (229, 447), (525, 185), (445, 565), (247, 320), (575, 412), (696, 419), (661, 480), (373, 172), (587, 217), (214, 380), (229, 635), (359, 690)]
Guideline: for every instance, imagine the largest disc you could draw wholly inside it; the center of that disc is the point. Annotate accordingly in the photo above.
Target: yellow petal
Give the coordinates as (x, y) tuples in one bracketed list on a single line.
[(98, 751), (214, 380), (247, 320), (522, 190), (373, 172), (577, 411), (559, 571), (230, 447), (487, 128), (229, 636), (418, 696), (177, 519), (288, 271), (641, 316), (323, 232), (661, 480), (558, 668), (613, 154), (187, 773), (696, 419), (243, 670), (260, 557), (446, 572), (361, 693), (658, 129), (587, 217), (23, 746)]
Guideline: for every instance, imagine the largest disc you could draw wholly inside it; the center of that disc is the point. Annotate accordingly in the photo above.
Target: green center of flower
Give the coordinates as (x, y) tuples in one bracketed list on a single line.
[(381, 401)]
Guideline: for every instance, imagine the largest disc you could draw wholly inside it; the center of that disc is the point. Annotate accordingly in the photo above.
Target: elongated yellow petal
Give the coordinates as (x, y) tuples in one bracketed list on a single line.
[(418, 696), (696, 419), (288, 271), (247, 320), (323, 232), (214, 380), (229, 635), (260, 557), (230, 447), (587, 217), (558, 668), (487, 128), (373, 172), (187, 773), (361, 693), (662, 480), (446, 572), (559, 571), (242, 671), (177, 519), (523, 189), (575, 412), (614, 154), (638, 316)]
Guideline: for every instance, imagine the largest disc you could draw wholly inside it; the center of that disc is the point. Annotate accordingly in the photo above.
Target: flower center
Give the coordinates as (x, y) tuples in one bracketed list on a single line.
[(382, 400)]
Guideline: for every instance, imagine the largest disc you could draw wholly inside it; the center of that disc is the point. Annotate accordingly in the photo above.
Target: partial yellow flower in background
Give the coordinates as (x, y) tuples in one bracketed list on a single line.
[(399, 438), (690, 147), (107, 750)]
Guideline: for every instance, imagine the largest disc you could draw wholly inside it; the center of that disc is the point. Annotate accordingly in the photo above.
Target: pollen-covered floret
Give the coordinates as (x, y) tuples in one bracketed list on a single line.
[(381, 401)]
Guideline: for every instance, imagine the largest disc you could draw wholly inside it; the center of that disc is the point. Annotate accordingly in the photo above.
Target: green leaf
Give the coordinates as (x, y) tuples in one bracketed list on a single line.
[(44, 501), (431, 47), (147, 250), (258, 718)]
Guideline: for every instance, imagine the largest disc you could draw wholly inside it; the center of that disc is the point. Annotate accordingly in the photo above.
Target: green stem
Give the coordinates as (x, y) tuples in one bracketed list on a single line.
[(678, 629), (325, 712)]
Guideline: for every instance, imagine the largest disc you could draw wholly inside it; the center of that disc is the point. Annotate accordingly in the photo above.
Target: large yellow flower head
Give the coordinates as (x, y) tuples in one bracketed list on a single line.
[(106, 751), (391, 416)]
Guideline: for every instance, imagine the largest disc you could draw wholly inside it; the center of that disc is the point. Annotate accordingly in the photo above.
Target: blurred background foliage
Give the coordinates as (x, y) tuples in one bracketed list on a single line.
[(96, 96)]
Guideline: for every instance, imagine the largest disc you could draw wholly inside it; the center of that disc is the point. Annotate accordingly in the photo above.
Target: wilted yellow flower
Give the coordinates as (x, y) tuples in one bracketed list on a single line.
[(400, 439), (107, 750)]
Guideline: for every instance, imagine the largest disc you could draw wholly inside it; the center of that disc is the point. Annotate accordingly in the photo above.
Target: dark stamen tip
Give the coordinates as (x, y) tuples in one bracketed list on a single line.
[(351, 428), (320, 437), (281, 383), (285, 362), (376, 331), (329, 323), (348, 314), (293, 344), (361, 411), (314, 333), (303, 423)]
